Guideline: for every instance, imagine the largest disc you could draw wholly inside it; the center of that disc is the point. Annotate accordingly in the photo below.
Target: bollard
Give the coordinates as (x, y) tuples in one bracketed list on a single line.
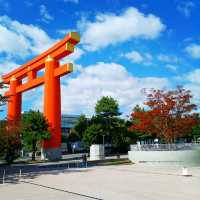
[(68, 166), (185, 172), (4, 174), (20, 173)]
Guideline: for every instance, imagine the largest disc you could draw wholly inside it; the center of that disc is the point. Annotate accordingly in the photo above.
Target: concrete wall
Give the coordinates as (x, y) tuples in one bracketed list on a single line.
[(185, 157), (97, 152)]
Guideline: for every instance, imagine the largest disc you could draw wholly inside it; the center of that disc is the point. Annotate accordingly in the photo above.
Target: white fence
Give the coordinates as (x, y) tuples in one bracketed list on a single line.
[(164, 147)]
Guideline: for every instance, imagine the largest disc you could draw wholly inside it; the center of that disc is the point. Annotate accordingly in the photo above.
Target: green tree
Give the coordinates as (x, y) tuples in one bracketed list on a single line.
[(107, 126), (195, 134), (138, 108), (107, 106), (34, 130), (106, 109), (80, 126), (93, 135), (120, 136), (76, 134)]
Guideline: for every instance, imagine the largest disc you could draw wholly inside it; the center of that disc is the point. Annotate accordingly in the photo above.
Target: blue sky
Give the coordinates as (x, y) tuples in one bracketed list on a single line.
[(126, 45)]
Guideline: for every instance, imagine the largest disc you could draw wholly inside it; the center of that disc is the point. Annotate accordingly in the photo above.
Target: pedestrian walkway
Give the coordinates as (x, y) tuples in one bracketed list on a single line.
[(122, 182)]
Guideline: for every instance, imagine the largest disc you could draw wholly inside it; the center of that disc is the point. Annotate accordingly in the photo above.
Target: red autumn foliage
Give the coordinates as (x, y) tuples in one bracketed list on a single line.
[(169, 115), (10, 143)]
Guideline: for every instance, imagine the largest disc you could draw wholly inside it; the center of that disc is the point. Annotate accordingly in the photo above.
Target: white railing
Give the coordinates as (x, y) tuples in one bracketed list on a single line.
[(164, 147)]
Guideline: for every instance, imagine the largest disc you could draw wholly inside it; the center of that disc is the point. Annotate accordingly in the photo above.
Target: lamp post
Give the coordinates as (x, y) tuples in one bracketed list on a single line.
[(103, 140)]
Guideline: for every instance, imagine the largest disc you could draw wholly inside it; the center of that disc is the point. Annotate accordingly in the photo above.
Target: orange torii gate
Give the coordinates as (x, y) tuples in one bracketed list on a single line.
[(49, 61)]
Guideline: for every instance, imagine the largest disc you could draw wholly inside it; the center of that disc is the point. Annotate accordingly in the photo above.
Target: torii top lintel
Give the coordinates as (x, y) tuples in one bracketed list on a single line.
[(58, 51)]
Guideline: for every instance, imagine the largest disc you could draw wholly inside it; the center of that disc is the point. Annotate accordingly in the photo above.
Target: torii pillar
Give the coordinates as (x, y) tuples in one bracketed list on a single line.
[(49, 60), (52, 107)]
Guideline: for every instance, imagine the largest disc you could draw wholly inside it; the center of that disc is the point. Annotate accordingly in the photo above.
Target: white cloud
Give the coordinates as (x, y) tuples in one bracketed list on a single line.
[(193, 84), (137, 57), (112, 29), (186, 8), (167, 58), (72, 1), (78, 52), (134, 57), (194, 76), (46, 17), (72, 58), (19, 40), (80, 94), (7, 66), (65, 31), (105, 79), (193, 50)]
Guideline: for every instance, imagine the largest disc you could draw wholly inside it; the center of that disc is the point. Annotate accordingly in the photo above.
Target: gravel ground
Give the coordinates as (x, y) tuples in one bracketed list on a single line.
[(122, 182)]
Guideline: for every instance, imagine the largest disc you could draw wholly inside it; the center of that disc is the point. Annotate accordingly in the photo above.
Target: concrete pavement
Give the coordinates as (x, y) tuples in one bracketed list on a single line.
[(122, 182)]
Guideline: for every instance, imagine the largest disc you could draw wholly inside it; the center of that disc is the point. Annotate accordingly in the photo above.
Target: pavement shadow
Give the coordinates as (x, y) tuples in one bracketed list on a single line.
[(13, 174)]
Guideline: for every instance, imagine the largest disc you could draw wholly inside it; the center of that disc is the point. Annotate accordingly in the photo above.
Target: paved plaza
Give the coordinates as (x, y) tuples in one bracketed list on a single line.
[(121, 182)]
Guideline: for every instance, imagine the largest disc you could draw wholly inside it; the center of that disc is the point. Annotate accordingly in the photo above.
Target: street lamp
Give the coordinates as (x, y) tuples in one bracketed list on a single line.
[(103, 140)]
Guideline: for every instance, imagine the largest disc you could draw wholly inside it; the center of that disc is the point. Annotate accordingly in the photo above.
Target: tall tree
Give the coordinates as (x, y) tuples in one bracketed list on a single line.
[(138, 134), (93, 135), (170, 114), (106, 126), (34, 130), (195, 134), (80, 126), (106, 109), (107, 106), (10, 143)]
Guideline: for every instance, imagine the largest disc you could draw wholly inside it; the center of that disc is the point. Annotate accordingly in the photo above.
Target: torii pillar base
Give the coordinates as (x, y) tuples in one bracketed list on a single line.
[(51, 154)]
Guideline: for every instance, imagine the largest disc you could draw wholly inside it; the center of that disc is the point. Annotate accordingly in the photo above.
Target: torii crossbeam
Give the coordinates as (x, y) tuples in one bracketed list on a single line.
[(49, 61)]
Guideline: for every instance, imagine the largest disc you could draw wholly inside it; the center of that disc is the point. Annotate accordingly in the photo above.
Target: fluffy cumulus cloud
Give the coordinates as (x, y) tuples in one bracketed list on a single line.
[(111, 28), (193, 50), (80, 94), (19, 40)]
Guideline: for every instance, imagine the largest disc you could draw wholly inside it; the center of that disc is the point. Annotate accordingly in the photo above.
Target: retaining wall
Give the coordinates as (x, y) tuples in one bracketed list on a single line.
[(182, 157)]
